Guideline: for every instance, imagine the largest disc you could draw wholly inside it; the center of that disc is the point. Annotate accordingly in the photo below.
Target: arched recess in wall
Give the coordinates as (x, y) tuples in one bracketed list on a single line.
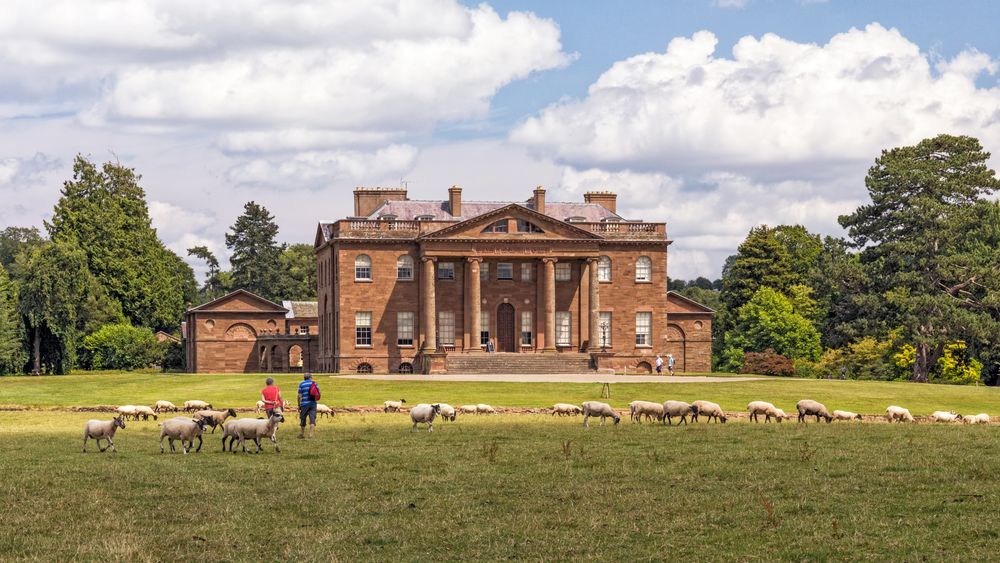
[(295, 356), (240, 331)]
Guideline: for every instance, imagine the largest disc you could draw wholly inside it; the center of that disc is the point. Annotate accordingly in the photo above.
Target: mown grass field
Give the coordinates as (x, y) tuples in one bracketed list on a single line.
[(502, 487)]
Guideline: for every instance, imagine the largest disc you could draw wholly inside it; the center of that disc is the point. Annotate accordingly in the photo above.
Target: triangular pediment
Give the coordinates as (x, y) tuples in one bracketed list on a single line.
[(551, 229), (677, 303), (241, 300)]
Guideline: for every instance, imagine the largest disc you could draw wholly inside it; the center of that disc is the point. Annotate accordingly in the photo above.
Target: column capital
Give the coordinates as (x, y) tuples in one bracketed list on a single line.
[(548, 259), (593, 259), (428, 258), (476, 259)]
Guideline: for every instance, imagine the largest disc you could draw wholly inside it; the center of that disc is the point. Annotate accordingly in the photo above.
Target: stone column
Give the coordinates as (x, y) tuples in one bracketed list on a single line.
[(595, 306), (549, 287), (475, 303), (428, 305)]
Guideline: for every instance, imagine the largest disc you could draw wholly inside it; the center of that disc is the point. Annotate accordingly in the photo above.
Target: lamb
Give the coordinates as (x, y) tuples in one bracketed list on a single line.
[(942, 416), (183, 429), (677, 408), (196, 406), (485, 409), (393, 406), (162, 406), (898, 414), (322, 409), (145, 412), (254, 429), (565, 409), (102, 430), (468, 409), (756, 408), (981, 418), (447, 412), (214, 418), (126, 411), (708, 409), (260, 407), (846, 415), (424, 413), (808, 407), (648, 409), (597, 408)]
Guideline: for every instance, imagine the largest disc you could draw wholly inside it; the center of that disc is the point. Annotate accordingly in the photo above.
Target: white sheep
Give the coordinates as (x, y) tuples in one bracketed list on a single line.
[(127, 411), (162, 406), (845, 415), (756, 408), (631, 409), (485, 409), (565, 409), (807, 407), (942, 416), (214, 418), (393, 406), (145, 412), (102, 430), (677, 408), (981, 418), (648, 409), (183, 429), (261, 405), (708, 409), (241, 429), (424, 413), (597, 408), (468, 409), (447, 412), (196, 406), (322, 409), (894, 413)]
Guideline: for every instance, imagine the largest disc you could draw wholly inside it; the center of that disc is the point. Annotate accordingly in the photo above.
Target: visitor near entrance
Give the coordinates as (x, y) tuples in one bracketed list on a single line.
[(659, 365), (271, 396), (670, 364), (308, 397)]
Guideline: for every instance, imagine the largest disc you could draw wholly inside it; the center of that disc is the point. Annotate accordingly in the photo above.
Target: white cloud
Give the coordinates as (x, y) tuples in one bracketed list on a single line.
[(736, 4), (316, 169)]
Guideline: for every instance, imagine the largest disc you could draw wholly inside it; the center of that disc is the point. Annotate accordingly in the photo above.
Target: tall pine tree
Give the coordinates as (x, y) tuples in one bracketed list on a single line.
[(256, 256), (12, 354)]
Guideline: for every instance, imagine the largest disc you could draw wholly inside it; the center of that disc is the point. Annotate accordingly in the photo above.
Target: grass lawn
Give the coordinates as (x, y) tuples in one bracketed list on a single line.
[(238, 390), (502, 487)]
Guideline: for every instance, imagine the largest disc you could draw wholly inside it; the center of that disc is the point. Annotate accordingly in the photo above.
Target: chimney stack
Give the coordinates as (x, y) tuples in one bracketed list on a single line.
[(455, 201), (539, 200), (367, 200), (607, 200)]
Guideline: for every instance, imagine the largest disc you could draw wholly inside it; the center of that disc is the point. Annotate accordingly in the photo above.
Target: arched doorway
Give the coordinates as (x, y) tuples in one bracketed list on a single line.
[(505, 328)]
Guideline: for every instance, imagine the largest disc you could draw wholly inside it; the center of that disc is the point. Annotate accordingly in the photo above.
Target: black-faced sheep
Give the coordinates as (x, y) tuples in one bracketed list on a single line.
[(708, 409), (214, 418), (565, 409), (943, 416), (424, 413), (597, 408), (393, 406), (648, 409), (808, 408), (102, 430), (679, 409), (845, 415), (183, 429), (895, 413), (164, 406), (254, 429), (756, 408), (196, 406)]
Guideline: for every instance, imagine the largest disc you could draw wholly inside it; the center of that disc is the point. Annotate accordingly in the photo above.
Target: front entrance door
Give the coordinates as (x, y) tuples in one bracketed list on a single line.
[(505, 328)]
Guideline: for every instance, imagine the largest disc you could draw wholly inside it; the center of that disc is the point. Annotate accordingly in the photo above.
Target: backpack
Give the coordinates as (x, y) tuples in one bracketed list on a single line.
[(314, 392)]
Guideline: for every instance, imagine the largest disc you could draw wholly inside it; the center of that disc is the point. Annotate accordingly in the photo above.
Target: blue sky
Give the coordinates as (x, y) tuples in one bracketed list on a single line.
[(711, 115)]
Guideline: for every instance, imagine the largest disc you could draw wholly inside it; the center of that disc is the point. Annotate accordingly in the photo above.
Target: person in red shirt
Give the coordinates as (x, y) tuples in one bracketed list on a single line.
[(271, 396)]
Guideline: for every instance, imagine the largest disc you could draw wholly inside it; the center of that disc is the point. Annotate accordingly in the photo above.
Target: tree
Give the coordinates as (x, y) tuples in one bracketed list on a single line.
[(760, 261), (256, 256), (217, 282), (298, 264), (121, 347), (768, 321), (802, 247), (103, 211), (14, 240), (919, 256), (12, 354)]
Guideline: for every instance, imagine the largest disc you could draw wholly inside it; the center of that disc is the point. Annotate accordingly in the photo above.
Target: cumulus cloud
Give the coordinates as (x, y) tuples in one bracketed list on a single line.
[(316, 169)]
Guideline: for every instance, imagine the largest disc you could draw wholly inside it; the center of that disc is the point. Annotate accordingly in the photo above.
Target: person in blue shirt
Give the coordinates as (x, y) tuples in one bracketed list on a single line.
[(308, 395)]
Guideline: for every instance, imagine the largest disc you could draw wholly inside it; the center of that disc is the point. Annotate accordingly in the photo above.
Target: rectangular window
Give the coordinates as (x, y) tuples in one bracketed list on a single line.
[(604, 326), (643, 329), (563, 319), (564, 271), (446, 328), (604, 269), (363, 328), (526, 328), (404, 329), (303, 330), (484, 272), (527, 272), (446, 270), (505, 271), (484, 328)]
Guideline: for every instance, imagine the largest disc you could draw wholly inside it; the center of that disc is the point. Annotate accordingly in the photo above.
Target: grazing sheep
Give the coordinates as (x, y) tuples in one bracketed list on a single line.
[(468, 409), (145, 412), (485, 409), (565, 409), (648, 409), (214, 418), (162, 406), (393, 406), (756, 408), (447, 412), (677, 408), (183, 429), (127, 411), (597, 408), (808, 407), (424, 413), (708, 409), (260, 407), (196, 406), (253, 428), (898, 414), (942, 416), (102, 430), (846, 415), (981, 418), (322, 409)]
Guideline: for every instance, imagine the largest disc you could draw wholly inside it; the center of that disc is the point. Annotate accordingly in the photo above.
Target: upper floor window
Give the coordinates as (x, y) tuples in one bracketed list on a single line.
[(404, 267), (643, 269), (498, 227), (564, 271), (505, 271), (363, 267), (528, 227), (604, 269), (484, 272), (425, 217), (526, 271), (576, 219), (446, 270)]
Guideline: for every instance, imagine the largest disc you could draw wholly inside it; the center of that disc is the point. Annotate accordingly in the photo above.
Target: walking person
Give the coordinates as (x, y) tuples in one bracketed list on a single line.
[(659, 365), (271, 396), (670, 364), (308, 395)]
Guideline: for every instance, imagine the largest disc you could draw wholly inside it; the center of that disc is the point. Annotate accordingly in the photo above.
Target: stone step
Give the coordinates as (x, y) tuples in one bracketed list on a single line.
[(519, 363)]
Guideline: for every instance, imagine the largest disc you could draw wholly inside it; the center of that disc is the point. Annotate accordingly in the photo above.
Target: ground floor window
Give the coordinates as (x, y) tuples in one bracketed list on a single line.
[(406, 367), (404, 329), (363, 328), (563, 321), (446, 328), (526, 328), (364, 368), (604, 326), (643, 329), (484, 328)]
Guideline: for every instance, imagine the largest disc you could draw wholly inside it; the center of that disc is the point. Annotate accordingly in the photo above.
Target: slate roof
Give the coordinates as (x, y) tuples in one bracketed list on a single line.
[(301, 309), (439, 210)]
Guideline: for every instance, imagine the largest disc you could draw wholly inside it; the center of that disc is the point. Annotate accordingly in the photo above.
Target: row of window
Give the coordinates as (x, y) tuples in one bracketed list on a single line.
[(405, 322), (505, 270)]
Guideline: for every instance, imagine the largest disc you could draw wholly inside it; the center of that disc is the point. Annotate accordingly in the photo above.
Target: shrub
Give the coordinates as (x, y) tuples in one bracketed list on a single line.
[(768, 362), (957, 366), (173, 358), (120, 346)]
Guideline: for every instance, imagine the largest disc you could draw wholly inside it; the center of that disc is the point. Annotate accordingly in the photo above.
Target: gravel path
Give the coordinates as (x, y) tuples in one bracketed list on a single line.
[(554, 378)]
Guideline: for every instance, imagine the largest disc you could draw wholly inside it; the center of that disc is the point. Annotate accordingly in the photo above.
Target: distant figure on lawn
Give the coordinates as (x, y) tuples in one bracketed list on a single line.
[(843, 372), (659, 365), (670, 364), (271, 396), (308, 397)]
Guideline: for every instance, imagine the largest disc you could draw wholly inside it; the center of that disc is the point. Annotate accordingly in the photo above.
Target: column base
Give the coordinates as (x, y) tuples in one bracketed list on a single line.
[(546, 350), (433, 362)]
